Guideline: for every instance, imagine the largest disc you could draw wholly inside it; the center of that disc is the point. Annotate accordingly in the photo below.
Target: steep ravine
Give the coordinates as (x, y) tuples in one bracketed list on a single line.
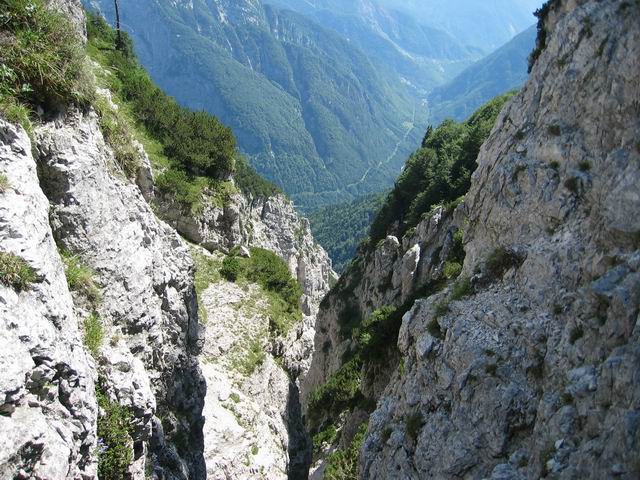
[(164, 357), (527, 366)]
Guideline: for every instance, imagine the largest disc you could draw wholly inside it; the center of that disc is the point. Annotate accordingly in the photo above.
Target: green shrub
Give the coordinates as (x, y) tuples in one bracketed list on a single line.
[(414, 423), (115, 451), (254, 450), (343, 464), (572, 184), (451, 270), (461, 289), (93, 334), (576, 334), (439, 173), (325, 437), (15, 272), (80, 278), (340, 392), (235, 398), (231, 268), (584, 166), (41, 58), (501, 260), (4, 183), (554, 130), (554, 164)]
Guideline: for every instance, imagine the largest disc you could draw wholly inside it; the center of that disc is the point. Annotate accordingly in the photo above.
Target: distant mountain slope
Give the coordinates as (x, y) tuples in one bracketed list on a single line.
[(485, 24), (503, 70), (424, 55), (313, 113)]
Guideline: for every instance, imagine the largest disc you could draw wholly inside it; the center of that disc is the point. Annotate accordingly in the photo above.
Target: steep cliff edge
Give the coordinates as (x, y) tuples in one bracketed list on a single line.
[(526, 366), (111, 369)]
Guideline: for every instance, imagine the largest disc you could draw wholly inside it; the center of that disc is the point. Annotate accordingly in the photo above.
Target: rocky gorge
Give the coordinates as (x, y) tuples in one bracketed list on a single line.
[(126, 329)]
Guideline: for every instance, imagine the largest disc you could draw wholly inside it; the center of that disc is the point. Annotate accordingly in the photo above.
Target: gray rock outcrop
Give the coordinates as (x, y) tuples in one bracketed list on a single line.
[(531, 372), (47, 400)]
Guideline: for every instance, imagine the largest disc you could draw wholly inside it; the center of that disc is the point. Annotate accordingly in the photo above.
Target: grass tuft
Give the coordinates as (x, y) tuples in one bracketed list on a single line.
[(93, 334), (80, 278), (15, 272)]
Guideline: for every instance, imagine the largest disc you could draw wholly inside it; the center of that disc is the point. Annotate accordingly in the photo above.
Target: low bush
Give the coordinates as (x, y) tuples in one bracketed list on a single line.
[(461, 289), (413, 424), (115, 449), (253, 358), (343, 464), (339, 393), (15, 272), (231, 268), (500, 260)]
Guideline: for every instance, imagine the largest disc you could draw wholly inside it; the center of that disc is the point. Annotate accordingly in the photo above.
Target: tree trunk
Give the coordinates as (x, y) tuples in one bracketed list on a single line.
[(119, 43)]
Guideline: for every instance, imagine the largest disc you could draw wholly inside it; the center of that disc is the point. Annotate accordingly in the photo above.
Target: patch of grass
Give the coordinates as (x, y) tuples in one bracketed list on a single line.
[(461, 289), (235, 398), (93, 334), (16, 113), (343, 464), (115, 447), (207, 272), (555, 165), (567, 398), (118, 135), (272, 274), (15, 272), (584, 166), (414, 423), (80, 278), (4, 183), (254, 357), (557, 309), (554, 130), (254, 450), (491, 369), (42, 60), (576, 334), (386, 434)]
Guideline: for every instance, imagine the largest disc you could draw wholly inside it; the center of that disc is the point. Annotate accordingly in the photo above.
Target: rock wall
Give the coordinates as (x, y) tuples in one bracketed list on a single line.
[(47, 401), (531, 372)]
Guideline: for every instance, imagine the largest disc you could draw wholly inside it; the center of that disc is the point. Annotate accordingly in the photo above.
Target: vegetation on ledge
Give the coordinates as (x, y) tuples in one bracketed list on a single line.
[(194, 152), (439, 173)]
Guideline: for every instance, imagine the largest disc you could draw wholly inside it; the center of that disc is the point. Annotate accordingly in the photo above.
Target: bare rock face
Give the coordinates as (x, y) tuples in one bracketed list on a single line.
[(47, 400), (148, 307), (534, 375)]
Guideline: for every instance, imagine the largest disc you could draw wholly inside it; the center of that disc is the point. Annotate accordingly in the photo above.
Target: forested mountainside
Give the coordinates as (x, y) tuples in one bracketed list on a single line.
[(341, 228), (312, 111), (503, 70), (157, 297), (423, 54), (495, 335)]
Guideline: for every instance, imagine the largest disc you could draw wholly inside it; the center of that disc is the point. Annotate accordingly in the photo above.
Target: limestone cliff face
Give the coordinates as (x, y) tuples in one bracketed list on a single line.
[(532, 372), (67, 196), (47, 394)]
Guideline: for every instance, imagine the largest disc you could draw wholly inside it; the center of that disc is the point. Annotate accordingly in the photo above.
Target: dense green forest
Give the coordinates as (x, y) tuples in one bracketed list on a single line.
[(439, 173), (198, 154), (341, 228)]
